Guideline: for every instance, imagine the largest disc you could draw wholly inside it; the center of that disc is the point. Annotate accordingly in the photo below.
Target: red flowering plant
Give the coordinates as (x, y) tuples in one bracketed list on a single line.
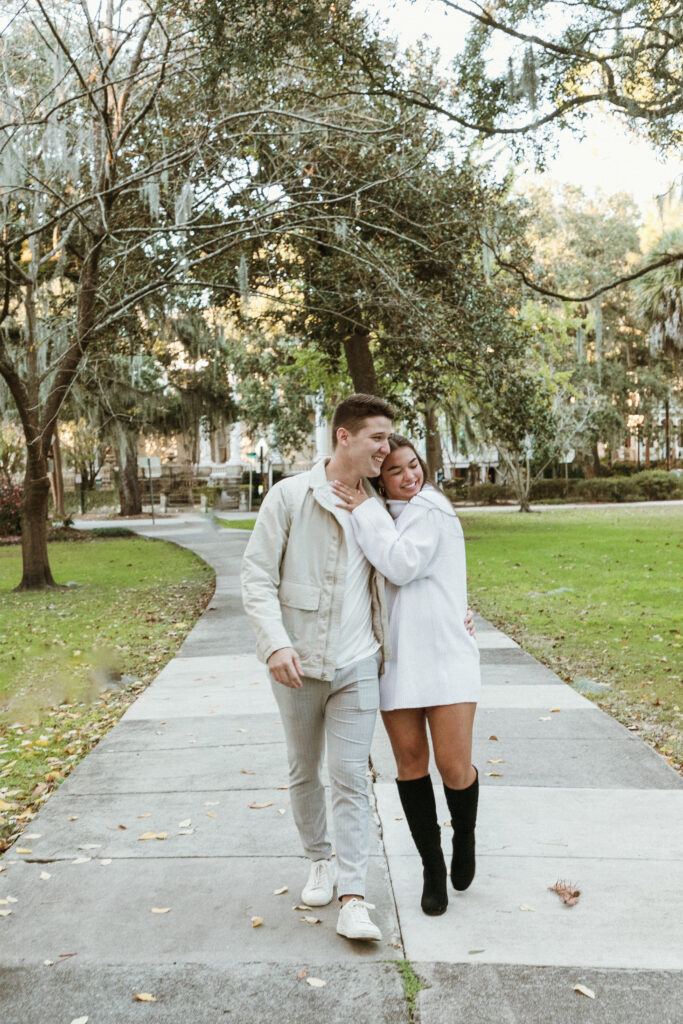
[(11, 495)]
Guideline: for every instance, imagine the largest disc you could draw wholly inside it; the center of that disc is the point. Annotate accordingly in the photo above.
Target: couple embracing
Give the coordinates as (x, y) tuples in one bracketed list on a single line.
[(358, 599)]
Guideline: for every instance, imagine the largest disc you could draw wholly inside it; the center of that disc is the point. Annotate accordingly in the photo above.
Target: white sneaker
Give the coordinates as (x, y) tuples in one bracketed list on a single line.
[(354, 921), (319, 888)]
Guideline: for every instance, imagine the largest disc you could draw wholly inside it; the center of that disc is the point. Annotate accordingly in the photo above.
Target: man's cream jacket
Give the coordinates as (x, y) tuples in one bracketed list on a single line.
[(293, 575)]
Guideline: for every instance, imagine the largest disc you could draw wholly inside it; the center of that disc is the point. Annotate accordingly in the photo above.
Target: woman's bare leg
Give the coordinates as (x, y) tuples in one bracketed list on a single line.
[(450, 726), (407, 731)]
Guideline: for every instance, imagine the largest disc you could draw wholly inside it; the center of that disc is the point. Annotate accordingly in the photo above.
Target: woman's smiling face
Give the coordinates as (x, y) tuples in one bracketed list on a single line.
[(402, 474)]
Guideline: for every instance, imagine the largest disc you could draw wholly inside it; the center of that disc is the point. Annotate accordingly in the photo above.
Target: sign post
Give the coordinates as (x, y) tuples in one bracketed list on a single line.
[(150, 464), (250, 456)]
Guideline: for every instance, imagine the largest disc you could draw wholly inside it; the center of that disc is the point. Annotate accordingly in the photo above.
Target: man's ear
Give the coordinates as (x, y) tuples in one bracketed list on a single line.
[(342, 436)]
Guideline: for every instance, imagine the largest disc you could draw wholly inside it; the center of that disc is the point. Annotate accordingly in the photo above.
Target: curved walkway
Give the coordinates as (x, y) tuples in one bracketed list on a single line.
[(567, 793)]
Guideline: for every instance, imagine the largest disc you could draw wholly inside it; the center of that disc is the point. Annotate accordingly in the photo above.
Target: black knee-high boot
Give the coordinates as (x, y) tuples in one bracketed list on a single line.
[(462, 803), (417, 798)]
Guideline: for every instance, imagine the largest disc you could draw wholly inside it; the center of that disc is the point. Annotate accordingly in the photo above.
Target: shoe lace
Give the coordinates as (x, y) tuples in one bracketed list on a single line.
[(359, 908), (319, 872)]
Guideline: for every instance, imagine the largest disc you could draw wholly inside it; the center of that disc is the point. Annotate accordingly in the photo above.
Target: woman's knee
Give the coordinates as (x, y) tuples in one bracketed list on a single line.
[(456, 773), (412, 762)]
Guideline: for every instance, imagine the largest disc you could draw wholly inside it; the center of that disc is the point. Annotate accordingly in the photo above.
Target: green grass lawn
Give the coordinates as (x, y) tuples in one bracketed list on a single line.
[(235, 524), (133, 603), (593, 593)]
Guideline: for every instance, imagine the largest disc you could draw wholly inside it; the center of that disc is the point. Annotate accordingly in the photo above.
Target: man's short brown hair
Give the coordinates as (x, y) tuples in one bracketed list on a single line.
[(354, 410)]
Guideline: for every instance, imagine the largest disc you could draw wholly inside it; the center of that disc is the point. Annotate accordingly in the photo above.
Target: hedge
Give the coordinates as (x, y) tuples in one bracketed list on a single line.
[(648, 485)]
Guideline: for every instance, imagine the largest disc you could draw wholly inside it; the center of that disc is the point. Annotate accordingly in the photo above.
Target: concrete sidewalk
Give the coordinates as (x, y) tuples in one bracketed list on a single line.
[(567, 793)]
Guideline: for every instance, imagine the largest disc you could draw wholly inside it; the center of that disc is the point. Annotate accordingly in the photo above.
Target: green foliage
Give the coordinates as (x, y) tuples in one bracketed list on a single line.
[(12, 449), (11, 496)]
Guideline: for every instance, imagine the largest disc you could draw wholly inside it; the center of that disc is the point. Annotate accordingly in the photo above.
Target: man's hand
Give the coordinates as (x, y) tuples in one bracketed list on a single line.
[(285, 667), (469, 622)]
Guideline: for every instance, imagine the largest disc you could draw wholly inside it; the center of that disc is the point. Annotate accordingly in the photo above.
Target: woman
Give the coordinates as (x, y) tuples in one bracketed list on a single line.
[(433, 676)]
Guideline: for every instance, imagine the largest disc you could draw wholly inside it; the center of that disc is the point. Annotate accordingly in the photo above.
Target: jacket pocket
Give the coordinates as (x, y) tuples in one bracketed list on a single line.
[(299, 595)]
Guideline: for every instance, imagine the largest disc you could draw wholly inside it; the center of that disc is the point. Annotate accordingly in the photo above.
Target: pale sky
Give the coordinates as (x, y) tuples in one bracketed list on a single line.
[(609, 158)]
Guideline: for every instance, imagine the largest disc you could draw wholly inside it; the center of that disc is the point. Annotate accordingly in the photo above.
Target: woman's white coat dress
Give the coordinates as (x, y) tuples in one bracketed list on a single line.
[(419, 547)]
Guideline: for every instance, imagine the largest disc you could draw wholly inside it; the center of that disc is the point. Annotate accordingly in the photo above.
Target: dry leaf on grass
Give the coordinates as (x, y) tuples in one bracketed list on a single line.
[(259, 807), (256, 922), (279, 892), (160, 910), (582, 990), (567, 892), (316, 982), (144, 997), (4, 806)]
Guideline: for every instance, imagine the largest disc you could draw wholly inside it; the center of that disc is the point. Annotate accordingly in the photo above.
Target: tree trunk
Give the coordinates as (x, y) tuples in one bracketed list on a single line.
[(36, 568), (647, 452), (433, 439), (130, 492), (58, 478), (667, 427), (360, 363)]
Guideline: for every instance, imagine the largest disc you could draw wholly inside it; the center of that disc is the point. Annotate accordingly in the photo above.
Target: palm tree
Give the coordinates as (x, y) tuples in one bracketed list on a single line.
[(659, 295)]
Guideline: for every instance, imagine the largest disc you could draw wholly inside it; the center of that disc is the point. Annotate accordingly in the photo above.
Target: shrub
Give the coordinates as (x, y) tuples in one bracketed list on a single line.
[(606, 489), (657, 484), (10, 507), (544, 490), (489, 494)]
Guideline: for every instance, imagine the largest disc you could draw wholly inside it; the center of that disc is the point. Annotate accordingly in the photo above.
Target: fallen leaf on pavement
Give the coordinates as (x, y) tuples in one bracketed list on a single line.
[(81, 860), (74, 817), (240, 730), (90, 846), (256, 922), (493, 737), (258, 807), (544, 718), (311, 920), (279, 892), (495, 775), (281, 810), (5, 913), (245, 771), (105, 862), (567, 892), (471, 952), (23, 849), (139, 816), (45, 875), (555, 709), (585, 991), (160, 910), (48, 963), (302, 974), (185, 824), (211, 803), (496, 760), (144, 997), (80, 1020), (117, 828), (524, 907), (211, 814), (153, 835), (283, 787), (316, 982), (301, 906)]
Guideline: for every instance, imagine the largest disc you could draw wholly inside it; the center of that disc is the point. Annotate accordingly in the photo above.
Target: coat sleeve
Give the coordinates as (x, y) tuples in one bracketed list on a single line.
[(401, 557), (260, 573)]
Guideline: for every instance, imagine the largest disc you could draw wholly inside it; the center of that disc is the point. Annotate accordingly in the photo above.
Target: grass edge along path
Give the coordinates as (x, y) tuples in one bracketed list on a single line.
[(145, 593), (593, 594)]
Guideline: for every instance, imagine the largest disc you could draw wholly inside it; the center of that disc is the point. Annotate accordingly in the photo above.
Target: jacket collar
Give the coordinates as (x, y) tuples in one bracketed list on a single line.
[(318, 478)]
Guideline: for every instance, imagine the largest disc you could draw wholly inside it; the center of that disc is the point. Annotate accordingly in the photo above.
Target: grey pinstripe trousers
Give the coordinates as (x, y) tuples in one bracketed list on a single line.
[(342, 712)]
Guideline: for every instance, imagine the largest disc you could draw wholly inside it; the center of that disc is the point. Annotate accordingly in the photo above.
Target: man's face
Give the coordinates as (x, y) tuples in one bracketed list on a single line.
[(368, 447)]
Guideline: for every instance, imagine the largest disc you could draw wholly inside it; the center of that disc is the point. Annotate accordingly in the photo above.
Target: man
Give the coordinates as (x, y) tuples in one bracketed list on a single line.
[(317, 606)]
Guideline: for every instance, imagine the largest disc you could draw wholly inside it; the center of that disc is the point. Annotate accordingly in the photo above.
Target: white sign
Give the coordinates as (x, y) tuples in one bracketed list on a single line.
[(569, 455), (151, 467)]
